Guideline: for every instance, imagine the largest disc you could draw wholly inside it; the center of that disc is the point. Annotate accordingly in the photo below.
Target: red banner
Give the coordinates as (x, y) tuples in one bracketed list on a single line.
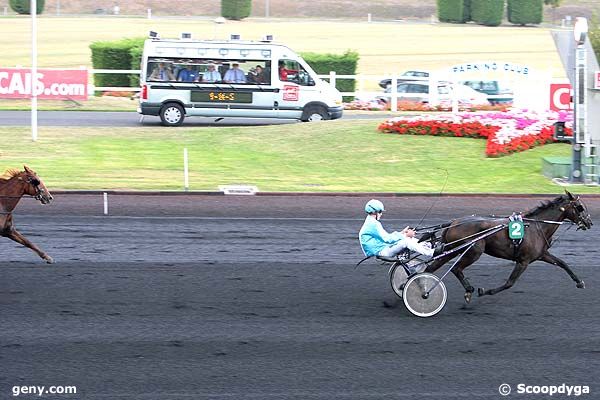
[(58, 84)]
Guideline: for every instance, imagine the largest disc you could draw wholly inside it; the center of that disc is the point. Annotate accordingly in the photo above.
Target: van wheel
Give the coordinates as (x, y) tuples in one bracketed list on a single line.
[(315, 113), (172, 114)]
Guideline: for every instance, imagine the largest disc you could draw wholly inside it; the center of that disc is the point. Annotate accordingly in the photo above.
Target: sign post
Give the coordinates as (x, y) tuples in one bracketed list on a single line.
[(33, 78), (579, 94)]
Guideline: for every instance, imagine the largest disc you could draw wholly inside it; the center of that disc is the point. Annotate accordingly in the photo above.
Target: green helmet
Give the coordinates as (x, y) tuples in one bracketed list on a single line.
[(374, 206)]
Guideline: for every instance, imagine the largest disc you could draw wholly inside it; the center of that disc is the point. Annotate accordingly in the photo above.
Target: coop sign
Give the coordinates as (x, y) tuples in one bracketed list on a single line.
[(492, 66), (58, 84)]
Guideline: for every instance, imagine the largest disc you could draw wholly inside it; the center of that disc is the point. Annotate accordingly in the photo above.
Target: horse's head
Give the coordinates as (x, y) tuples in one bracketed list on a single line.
[(35, 187), (576, 211)]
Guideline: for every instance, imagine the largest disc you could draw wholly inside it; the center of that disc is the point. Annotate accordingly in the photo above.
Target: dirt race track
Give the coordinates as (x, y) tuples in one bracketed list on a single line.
[(214, 297)]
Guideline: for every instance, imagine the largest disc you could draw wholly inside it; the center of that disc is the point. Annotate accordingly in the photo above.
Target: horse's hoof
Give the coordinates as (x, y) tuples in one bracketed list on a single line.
[(468, 296), (581, 285), (480, 292), (49, 260)]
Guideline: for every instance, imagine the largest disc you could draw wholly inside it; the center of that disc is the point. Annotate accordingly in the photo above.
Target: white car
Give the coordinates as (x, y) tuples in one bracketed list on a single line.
[(419, 92)]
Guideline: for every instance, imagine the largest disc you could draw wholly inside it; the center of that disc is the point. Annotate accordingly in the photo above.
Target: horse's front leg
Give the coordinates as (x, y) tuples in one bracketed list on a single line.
[(552, 259), (19, 238), (516, 273)]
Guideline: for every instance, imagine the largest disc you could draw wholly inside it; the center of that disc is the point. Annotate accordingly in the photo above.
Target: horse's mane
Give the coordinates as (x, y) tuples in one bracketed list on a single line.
[(560, 200), (9, 174)]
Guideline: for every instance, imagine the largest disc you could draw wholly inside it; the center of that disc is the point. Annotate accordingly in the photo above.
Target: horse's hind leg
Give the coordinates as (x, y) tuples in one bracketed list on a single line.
[(17, 237), (552, 259), (516, 273), (469, 289)]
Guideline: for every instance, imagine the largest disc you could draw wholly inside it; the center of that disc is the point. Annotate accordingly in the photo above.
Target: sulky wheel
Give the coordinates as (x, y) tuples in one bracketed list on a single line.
[(398, 277), (418, 297)]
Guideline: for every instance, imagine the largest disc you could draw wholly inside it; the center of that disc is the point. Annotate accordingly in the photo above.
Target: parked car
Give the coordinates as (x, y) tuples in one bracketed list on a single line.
[(406, 76), (497, 92), (419, 92)]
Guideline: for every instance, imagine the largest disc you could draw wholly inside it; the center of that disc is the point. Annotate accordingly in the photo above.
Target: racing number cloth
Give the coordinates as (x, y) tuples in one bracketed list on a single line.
[(516, 227)]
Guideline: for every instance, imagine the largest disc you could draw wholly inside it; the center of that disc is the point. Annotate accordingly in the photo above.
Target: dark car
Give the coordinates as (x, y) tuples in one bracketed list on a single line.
[(407, 76)]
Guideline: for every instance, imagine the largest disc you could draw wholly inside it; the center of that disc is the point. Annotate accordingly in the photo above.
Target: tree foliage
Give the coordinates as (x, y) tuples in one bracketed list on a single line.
[(525, 12), (23, 6), (487, 12), (236, 9)]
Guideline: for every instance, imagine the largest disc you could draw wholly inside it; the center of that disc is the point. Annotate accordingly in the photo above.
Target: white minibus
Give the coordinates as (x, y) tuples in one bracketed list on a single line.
[(232, 78)]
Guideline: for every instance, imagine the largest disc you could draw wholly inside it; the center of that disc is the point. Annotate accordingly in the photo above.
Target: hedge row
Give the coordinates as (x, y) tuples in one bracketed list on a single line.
[(491, 12), (236, 9), (117, 55), (344, 64), (523, 12), (451, 11), (24, 6), (487, 12)]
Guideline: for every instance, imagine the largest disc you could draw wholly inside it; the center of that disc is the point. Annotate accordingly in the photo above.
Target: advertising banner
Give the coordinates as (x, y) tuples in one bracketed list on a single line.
[(57, 84), (560, 97)]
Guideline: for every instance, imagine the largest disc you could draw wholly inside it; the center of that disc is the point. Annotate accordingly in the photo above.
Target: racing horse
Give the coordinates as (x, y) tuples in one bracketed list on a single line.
[(541, 222), (14, 185)]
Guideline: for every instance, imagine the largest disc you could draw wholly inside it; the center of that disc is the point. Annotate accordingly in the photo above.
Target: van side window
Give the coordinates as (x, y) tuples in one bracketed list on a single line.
[(292, 71)]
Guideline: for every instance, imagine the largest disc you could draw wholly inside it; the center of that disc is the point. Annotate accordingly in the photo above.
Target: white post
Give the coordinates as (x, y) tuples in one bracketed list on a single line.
[(58, 7), (33, 80), (267, 11), (149, 13), (5, 10), (332, 79), (369, 17), (186, 176), (454, 95), (105, 203), (394, 93)]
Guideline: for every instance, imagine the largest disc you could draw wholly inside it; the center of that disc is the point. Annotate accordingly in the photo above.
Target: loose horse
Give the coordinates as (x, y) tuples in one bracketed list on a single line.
[(14, 185), (542, 222)]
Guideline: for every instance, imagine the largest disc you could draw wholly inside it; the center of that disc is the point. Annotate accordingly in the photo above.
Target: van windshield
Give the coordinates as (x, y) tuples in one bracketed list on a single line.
[(251, 72)]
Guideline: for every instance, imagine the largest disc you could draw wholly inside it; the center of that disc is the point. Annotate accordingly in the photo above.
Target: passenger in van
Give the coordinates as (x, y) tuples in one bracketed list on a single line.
[(188, 74), (212, 75), (235, 74), (162, 73), (257, 75)]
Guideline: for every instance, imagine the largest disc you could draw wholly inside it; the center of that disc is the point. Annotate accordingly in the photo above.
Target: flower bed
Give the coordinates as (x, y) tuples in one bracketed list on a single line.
[(404, 105), (506, 132)]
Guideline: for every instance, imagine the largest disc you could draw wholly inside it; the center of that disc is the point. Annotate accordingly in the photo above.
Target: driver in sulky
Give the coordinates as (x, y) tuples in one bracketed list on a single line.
[(376, 241)]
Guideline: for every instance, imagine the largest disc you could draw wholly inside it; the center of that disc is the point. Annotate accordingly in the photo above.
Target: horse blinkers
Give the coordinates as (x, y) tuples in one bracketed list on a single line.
[(41, 194), (582, 217)]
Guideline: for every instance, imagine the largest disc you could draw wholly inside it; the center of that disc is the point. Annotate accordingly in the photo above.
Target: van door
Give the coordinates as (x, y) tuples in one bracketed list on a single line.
[(297, 88)]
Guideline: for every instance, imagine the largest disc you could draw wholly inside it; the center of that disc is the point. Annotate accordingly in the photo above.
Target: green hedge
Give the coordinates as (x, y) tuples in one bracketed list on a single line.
[(487, 12), (450, 11), (136, 63), (23, 6), (236, 9), (523, 12), (116, 55), (344, 64), (466, 10)]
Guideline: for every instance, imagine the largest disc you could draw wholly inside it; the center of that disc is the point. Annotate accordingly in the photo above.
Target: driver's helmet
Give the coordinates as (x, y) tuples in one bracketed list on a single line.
[(374, 206)]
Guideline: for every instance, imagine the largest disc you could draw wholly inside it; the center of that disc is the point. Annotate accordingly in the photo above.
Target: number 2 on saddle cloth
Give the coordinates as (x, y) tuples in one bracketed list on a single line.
[(516, 231)]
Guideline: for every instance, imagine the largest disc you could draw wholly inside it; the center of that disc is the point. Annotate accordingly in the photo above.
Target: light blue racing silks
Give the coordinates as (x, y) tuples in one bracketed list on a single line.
[(373, 238)]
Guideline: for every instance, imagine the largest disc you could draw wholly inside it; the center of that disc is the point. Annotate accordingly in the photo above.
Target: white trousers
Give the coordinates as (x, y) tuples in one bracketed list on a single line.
[(407, 243)]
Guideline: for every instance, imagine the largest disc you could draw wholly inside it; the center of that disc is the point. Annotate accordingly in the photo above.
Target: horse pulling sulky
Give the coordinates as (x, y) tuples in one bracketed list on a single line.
[(522, 238), (13, 186)]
